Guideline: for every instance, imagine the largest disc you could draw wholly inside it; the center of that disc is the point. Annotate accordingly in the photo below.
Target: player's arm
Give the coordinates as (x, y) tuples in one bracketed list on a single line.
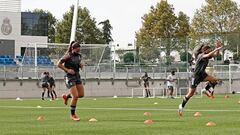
[(212, 53), (61, 66)]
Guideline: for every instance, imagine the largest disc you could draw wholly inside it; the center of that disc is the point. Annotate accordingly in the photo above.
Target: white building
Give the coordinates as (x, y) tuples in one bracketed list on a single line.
[(18, 29)]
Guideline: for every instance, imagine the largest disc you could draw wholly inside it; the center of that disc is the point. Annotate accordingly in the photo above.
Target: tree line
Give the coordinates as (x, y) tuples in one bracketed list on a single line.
[(162, 29), (88, 30)]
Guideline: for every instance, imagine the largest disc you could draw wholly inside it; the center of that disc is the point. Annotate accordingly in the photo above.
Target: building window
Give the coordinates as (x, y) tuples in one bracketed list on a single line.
[(33, 24)]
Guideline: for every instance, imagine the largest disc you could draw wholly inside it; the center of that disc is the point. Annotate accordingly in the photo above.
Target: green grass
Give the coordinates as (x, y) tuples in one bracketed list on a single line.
[(20, 117)]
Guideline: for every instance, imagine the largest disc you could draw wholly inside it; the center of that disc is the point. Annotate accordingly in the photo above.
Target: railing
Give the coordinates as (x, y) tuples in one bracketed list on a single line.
[(8, 72)]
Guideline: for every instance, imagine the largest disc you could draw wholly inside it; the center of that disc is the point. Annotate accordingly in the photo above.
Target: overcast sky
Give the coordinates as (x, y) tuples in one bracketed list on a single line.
[(124, 15)]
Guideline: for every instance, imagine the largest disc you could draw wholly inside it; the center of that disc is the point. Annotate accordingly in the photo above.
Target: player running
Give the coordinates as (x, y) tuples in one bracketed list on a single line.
[(70, 63), (199, 75)]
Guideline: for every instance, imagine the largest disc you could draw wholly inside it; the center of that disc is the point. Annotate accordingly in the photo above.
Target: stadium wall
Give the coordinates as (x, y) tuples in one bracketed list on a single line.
[(93, 88)]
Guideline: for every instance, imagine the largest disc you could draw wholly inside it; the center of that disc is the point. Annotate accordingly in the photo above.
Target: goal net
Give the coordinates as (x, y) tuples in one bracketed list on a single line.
[(44, 56), (230, 74)]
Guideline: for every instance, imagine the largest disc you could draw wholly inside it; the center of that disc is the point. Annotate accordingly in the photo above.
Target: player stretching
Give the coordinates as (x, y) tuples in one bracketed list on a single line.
[(202, 58), (70, 63)]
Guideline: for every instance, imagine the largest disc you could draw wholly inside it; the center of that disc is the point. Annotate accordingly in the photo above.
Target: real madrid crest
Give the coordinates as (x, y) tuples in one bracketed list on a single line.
[(6, 27)]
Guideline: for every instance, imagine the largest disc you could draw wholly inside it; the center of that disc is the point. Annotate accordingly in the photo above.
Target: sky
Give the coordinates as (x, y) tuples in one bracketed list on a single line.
[(124, 15)]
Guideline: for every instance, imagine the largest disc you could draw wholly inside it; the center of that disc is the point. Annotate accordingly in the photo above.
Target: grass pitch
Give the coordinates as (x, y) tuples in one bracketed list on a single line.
[(121, 116)]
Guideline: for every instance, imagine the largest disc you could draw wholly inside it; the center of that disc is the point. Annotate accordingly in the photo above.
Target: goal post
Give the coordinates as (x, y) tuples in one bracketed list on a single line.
[(230, 74), (96, 57)]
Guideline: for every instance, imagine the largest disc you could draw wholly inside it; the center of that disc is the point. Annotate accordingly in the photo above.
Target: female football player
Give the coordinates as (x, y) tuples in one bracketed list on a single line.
[(71, 63), (199, 75)]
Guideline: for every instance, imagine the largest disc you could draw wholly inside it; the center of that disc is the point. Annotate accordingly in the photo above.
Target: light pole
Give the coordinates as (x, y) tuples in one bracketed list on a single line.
[(74, 21)]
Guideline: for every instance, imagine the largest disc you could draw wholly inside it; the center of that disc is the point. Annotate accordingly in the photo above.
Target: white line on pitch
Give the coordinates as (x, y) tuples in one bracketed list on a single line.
[(128, 109)]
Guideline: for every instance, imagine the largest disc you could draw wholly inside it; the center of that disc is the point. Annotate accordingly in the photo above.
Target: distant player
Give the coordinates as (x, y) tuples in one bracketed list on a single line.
[(199, 75), (44, 83), (70, 63), (52, 86), (170, 80), (146, 79)]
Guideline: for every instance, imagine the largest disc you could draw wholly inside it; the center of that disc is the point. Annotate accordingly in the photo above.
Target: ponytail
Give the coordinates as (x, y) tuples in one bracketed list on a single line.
[(197, 50), (69, 50)]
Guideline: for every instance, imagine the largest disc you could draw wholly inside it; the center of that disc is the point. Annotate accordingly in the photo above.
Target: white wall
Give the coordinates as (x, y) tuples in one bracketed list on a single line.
[(11, 9)]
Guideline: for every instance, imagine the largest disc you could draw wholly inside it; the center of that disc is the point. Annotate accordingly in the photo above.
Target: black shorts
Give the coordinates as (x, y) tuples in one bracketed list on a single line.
[(146, 84), (45, 85), (72, 80), (51, 85), (170, 88), (197, 78)]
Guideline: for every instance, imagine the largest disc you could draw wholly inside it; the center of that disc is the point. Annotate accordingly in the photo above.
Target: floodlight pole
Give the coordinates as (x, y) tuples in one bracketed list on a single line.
[(74, 21), (114, 59), (35, 60)]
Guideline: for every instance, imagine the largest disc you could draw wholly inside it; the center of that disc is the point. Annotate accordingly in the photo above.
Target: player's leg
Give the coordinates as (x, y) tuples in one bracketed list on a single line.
[(44, 87), (73, 105), (54, 92), (51, 92), (48, 93), (68, 82), (210, 85), (190, 93), (196, 79), (171, 91), (80, 90), (148, 89)]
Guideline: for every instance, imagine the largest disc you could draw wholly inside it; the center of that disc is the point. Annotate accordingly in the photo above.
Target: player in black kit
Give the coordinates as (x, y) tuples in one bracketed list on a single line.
[(44, 83), (199, 75), (146, 79), (52, 86), (71, 63)]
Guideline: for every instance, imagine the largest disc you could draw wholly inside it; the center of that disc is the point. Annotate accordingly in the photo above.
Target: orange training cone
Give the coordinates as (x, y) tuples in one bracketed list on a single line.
[(210, 123), (147, 114), (148, 122), (41, 118), (226, 96), (197, 114)]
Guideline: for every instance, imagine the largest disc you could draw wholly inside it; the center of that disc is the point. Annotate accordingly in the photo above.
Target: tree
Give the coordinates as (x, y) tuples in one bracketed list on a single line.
[(183, 26), (51, 24), (106, 30), (107, 36), (217, 18), (160, 29), (87, 31), (185, 56), (128, 58)]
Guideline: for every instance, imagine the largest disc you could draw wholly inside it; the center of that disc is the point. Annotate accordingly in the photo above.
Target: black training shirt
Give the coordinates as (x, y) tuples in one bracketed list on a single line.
[(201, 64), (72, 61)]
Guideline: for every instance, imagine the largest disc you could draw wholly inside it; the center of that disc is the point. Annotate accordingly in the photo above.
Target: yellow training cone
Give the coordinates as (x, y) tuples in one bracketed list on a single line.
[(210, 123), (93, 120)]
